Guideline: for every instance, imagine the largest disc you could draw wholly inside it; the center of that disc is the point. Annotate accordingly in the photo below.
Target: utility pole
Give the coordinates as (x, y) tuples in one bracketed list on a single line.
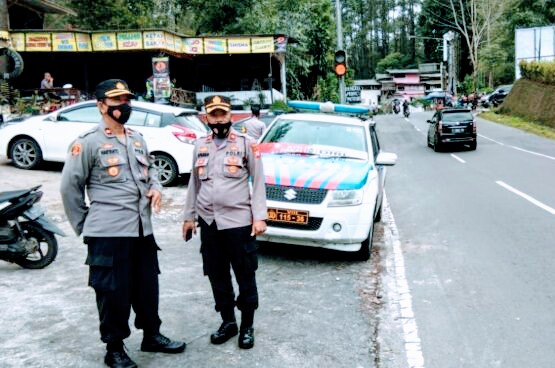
[(4, 35), (340, 47)]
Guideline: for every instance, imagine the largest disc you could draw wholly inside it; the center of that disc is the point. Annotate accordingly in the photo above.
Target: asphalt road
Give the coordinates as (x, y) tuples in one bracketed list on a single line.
[(316, 308), (477, 232)]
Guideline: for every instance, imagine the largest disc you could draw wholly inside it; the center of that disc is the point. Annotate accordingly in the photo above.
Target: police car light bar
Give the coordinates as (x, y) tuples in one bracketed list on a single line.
[(328, 107)]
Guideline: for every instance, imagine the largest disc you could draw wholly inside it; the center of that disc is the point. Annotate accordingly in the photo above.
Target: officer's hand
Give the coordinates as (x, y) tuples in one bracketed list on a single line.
[(258, 227), (188, 226), (155, 199)]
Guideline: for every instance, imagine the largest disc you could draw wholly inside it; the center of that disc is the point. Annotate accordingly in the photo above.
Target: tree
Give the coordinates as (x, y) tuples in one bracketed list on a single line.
[(473, 20)]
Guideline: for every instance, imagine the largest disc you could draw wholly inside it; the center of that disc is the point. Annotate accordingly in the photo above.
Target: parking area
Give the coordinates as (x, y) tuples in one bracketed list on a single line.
[(316, 307)]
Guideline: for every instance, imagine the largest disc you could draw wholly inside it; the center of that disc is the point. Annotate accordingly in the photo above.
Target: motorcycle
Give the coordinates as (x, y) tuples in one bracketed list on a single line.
[(27, 237), (406, 112)]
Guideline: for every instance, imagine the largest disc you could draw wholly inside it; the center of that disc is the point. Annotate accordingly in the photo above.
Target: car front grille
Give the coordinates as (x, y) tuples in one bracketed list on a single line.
[(302, 195), (314, 224)]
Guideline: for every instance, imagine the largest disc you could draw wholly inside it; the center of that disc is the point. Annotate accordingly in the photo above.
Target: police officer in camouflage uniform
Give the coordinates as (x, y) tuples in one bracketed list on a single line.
[(112, 163), (230, 216)]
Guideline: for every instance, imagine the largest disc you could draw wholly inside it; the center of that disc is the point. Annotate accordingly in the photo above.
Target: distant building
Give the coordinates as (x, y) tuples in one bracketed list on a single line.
[(405, 84)]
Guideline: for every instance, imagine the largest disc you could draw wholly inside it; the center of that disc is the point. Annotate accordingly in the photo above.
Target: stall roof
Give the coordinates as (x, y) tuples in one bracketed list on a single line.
[(44, 6)]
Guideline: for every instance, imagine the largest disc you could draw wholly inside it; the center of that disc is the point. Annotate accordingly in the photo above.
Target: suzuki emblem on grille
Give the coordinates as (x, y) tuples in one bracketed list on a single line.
[(290, 194)]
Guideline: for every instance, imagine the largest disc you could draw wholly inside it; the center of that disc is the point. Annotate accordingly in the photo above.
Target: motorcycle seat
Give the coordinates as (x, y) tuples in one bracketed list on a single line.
[(13, 194)]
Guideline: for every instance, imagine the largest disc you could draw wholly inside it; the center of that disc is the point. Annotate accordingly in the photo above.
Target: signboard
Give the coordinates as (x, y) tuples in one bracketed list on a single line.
[(104, 41), (145, 40), (215, 46), (536, 43), (18, 41), (154, 40), (130, 40), (262, 45), (239, 45), (193, 46), (83, 42), (352, 94), (161, 79), (63, 42), (38, 42)]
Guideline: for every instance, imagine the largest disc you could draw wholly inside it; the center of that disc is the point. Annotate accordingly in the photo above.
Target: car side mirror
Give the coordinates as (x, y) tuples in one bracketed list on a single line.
[(429, 121), (386, 159)]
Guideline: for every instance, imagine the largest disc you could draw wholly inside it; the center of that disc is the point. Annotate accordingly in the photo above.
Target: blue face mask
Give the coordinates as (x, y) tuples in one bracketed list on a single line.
[(125, 112)]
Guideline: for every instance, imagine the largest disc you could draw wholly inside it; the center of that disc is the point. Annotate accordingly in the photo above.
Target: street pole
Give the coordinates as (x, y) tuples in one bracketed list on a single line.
[(340, 47), (4, 35)]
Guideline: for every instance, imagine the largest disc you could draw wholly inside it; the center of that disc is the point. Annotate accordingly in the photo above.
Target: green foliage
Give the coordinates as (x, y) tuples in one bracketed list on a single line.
[(392, 61), (539, 71)]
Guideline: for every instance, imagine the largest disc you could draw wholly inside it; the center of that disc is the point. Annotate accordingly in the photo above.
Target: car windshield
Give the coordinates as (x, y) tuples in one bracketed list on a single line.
[(189, 121), (317, 138), (457, 116)]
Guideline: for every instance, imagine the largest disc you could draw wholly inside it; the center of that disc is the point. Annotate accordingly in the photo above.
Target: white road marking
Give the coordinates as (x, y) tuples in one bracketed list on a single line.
[(413, 348), (527, 197), (489, 139), (518, 148), (458, 158)]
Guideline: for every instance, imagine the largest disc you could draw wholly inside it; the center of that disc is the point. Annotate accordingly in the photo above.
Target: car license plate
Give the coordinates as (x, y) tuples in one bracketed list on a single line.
[(457, 130), (288, 216)]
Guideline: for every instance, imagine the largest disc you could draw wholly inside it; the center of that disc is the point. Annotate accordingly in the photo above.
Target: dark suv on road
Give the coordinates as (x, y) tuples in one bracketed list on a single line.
[(452, 126)]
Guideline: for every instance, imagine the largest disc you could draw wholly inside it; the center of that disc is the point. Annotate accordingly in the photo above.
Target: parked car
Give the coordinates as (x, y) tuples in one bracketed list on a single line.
[(325, 175), (451, 126), (169, 133), (497, 97)]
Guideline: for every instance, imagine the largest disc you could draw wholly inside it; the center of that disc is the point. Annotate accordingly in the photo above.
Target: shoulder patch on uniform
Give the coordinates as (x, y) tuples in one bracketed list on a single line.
[(255, 150), (76, 149)]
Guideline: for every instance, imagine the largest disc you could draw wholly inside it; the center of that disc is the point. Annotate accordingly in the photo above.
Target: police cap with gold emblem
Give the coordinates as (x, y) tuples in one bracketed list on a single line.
[(216, 102), (112, 88)]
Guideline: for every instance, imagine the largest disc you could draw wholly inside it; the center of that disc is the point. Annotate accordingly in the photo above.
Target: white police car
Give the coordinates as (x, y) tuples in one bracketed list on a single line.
[(325, 175)]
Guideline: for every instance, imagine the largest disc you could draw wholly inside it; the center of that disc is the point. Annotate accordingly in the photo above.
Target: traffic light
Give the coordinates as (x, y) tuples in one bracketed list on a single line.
[(340, 59)]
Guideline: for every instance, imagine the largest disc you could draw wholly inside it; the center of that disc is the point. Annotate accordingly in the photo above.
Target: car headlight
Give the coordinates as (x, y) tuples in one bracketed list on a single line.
[(341, 198)]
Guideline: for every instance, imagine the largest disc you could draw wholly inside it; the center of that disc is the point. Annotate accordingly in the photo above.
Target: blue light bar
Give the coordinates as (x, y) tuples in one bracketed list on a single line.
[(328, 107)]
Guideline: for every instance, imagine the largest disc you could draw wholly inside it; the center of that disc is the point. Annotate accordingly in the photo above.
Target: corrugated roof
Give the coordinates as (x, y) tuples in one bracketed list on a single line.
[(366, 82)]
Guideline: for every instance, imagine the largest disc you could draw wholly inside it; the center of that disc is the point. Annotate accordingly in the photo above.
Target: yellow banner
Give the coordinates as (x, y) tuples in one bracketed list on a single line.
[(262, 44), (178, 44), (64, 42), (239, 45), (18, 41), (38, 42), (104, 41), (193, 46), (215, 45), (83, 42), (154, 40), (170, 42), (130, 40)]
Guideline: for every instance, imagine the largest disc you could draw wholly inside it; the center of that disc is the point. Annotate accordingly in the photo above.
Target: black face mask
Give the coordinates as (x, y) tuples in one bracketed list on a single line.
[(220, 130), (125, 112)]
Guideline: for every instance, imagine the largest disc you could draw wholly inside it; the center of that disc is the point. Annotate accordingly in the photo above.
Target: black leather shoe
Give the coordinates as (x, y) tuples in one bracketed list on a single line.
[(118, 359), (246, 338), (161, 344), (226, 331)]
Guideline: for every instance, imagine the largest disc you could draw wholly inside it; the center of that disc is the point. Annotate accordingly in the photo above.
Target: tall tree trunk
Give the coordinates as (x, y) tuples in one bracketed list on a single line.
[(4, 38)]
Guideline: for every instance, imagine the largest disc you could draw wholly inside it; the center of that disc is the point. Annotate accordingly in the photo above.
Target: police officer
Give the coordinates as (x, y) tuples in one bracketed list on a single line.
[(112, 163), (254, 127), (230, 216)]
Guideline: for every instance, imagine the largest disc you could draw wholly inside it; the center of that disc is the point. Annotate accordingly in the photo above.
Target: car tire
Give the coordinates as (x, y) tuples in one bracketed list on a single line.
[(363, 254), (167, 169), (26, 153), (472, 146), (429, 143), (437, 144), (378, 217)]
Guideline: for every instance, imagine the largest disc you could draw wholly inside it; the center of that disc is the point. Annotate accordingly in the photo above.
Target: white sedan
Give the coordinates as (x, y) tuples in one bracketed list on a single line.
[(325, 175), (169, 132)]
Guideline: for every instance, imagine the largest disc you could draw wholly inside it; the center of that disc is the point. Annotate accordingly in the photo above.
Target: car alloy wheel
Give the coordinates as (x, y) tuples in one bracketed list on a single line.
[(25, 153), (167, 169)]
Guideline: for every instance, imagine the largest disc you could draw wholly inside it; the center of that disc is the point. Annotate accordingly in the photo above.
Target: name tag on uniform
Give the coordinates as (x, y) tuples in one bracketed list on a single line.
[(109, 151)]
